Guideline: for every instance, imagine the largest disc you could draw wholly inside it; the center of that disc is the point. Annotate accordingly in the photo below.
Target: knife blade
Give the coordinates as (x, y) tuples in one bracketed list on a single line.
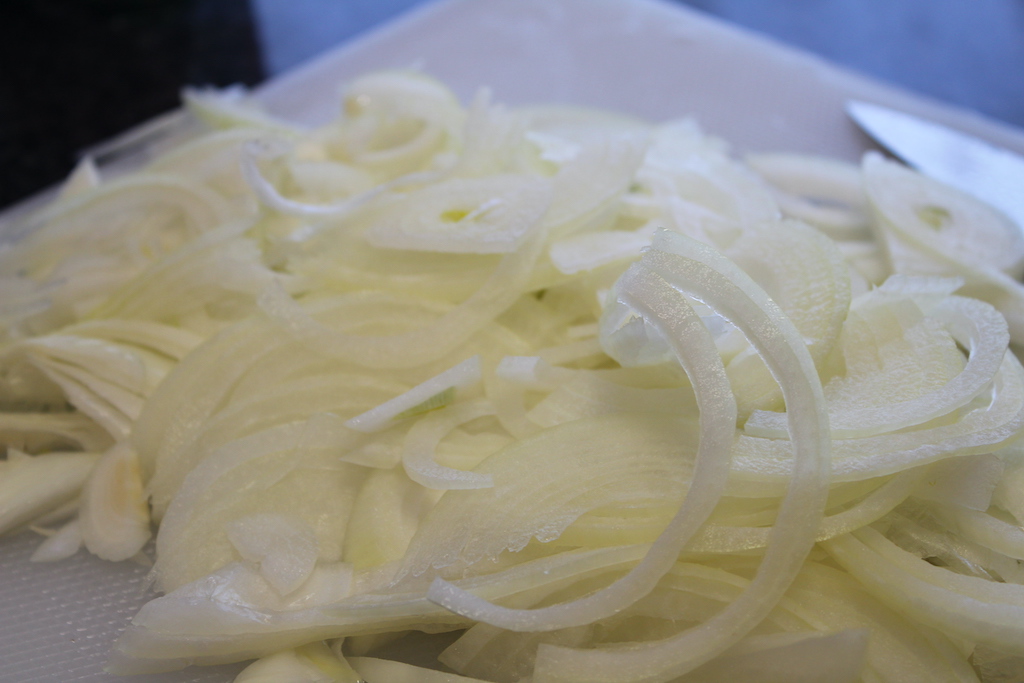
[(967, 163)]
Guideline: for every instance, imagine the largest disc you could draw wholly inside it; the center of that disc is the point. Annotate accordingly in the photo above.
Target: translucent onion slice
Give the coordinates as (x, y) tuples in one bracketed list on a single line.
[(704, 193), (532, 372), (824, 192), (463, 215), (215, 160), (976, 326), (803, 272), (173, 342), (967, 481), (418, 399), (252, 376), (914, 529), (215, 268), (491, 138), (98, 218), (730, 539), (231, 614), (536, 496), (693, 345), (387, 512), (898, 650), (435, 340), (306, 450), (985, 529), (977, 610), (592, 180), (617, 525), (421, 441), (256, 150), (322, 180), (395, 120), (575, 127), (794, 657), (931, 229), (102, 380), (591, 250), (588, 395), (691, 592), (44, 432), (981, 429), (79, 251), (939, 220), (232, 107), (709, 277)]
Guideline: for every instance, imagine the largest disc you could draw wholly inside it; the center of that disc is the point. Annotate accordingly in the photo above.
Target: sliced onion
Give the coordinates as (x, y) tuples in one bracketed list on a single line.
[(423, 438), (697, 353), (977, 610), (974, 325), (465, 374)]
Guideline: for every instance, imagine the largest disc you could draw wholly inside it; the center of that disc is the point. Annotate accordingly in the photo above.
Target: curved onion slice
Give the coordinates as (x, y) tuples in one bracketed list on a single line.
[(255, 150), (420, 398), (803, 272), (977, 610), (823, 192), (939, 220), (981, 429), (230, 618), (698, 270), (284, 547), (975, 326), (422, 346), (395, 120), (693, 345), (931, 229), (476, 215), (418, 455), (535, 496), (701, 271)]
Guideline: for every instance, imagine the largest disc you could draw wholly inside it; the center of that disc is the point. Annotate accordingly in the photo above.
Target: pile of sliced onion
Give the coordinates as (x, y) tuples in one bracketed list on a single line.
[(565, 396)]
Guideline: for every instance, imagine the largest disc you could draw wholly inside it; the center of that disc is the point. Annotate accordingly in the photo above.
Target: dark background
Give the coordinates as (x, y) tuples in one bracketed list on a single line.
[(75, 72)]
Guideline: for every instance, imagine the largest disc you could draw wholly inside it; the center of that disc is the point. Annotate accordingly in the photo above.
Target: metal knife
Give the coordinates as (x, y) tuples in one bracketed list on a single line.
[(989, 173)]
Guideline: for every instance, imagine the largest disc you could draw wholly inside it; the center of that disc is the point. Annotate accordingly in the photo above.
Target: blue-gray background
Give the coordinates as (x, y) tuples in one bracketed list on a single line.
[(73, 72)]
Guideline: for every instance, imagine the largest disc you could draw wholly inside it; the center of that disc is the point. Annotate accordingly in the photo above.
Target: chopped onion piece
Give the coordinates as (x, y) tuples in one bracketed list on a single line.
[(422, 439), (462, 376)]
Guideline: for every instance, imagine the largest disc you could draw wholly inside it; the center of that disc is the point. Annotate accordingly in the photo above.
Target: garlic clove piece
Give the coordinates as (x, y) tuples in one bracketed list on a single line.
[(114, 514)]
